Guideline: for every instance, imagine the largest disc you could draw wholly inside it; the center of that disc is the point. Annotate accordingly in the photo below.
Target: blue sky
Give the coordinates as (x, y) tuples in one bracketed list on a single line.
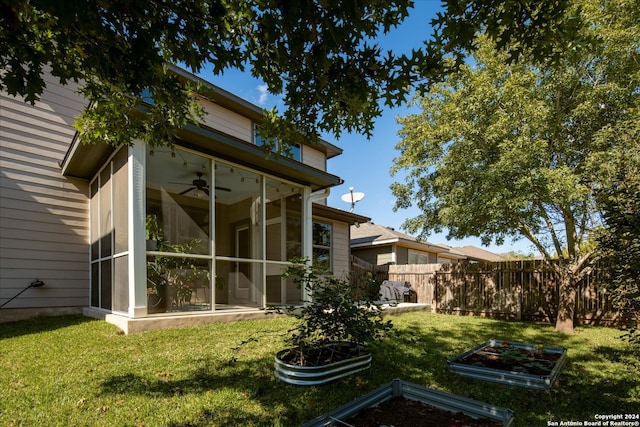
[(365, 164)]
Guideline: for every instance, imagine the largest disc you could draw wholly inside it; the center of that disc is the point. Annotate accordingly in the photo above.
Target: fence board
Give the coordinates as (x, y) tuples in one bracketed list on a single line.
[(508, 289)]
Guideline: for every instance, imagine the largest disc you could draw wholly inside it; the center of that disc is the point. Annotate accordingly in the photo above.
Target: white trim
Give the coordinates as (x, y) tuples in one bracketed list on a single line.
[(212, 234), (263, 240), (137, 241), (307, 229)]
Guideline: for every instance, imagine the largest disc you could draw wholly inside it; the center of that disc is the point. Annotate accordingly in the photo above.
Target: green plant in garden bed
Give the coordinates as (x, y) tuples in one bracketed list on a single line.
[(330, 315), (511, 355), (74, 371)]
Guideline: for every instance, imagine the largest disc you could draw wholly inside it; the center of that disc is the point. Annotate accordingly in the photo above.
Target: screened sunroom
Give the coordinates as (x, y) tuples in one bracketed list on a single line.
[(208, 225), (175, 230)]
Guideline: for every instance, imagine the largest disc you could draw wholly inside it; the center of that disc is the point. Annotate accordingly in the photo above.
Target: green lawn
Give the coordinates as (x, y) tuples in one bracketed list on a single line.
[(73, 371)]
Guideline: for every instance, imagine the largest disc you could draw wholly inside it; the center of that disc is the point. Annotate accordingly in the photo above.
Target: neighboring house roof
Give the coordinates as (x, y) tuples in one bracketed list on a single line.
[(370, 235), (478, 254)]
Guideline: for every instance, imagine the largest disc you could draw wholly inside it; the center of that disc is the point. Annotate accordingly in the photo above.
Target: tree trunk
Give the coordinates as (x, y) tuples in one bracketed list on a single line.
[(566, 305)]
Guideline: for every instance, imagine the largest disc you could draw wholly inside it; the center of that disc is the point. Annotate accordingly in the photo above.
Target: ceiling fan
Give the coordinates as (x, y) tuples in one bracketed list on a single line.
[(199, 185)]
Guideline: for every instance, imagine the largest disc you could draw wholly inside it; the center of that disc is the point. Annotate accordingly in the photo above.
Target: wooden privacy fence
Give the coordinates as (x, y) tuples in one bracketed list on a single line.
[(510, 289), (366, 278)]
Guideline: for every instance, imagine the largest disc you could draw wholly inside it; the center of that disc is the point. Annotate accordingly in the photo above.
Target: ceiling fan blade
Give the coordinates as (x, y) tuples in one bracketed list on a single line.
[(199, 184)]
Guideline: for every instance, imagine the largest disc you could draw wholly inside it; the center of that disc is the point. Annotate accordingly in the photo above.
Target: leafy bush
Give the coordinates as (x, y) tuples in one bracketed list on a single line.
[(331, 314)]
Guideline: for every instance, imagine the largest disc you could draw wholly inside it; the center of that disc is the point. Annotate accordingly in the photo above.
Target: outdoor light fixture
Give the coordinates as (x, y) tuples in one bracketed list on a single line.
[(35, 284)]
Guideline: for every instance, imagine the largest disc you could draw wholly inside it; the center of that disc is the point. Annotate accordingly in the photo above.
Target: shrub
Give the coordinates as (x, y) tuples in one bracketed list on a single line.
[(331, 314)]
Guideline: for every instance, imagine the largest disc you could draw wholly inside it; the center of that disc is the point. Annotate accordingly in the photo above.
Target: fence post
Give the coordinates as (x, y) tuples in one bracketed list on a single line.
[(435, 292), (519, 304)]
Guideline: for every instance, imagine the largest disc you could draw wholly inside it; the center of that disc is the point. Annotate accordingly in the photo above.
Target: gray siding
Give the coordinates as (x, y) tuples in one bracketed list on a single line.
[(374, 255), (314, 158), (241, 127), (227, 121), (43, 215), (341, 252)]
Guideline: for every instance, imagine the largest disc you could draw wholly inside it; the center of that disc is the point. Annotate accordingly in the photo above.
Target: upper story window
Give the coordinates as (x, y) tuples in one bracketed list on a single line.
[(294, 151)]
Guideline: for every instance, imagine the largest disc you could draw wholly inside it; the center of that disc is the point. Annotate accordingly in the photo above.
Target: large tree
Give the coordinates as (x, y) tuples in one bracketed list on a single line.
[(314, 52), (320, 55), (506, 150), (618, 197)]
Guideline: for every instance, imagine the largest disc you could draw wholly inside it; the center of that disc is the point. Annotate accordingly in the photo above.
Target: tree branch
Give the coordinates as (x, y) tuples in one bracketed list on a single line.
[(570, 232), (584, 265), (526, 231), (583, 222), (552, 230)]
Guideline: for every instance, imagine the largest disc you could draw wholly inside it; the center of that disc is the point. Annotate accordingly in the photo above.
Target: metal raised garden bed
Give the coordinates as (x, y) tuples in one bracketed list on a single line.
[(316, 375), (399, 388), (514, 378)]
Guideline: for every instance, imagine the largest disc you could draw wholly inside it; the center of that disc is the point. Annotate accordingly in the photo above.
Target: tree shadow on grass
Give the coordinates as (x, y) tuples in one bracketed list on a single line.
[(629, 355), (208, 417), (39, 325), (419, 354), (248, 385), (201, 380)]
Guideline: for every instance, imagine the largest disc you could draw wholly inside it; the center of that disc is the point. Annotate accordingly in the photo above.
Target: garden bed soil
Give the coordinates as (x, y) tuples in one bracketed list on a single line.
[(506, 358), (400, 403), (321, 356), (402, 412)]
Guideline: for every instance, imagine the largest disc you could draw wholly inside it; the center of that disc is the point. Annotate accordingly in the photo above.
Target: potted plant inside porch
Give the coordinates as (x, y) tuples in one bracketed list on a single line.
[(157, 284), (171, 280), (153, 229), (156, 266), (333, 330)]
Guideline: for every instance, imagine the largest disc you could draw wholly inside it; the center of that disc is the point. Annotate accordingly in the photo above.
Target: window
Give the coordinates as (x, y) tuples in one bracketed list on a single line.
[(416, 257), (292, 151), (322, 245)]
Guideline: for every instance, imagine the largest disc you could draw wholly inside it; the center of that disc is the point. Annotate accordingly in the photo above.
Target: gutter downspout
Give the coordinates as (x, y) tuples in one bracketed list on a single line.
[(322, 195)]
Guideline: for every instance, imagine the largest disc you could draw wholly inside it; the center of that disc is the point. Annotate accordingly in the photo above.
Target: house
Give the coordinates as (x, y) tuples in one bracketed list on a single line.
[(380, 245), (152, 237), (474, 253)]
